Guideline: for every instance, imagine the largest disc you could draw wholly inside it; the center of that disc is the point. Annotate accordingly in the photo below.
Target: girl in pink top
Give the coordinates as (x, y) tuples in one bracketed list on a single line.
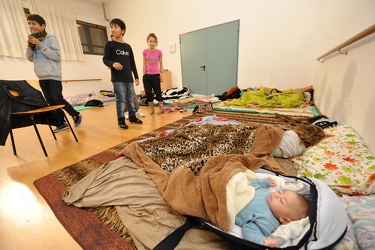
[(152, 73)]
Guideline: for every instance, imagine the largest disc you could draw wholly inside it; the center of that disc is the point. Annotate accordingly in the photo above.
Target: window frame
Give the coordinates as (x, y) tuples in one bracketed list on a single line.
[(27, 11), (89, 39)]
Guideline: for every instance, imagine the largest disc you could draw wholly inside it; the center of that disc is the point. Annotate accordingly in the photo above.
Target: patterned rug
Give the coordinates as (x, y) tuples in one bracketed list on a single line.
[(101, 228)]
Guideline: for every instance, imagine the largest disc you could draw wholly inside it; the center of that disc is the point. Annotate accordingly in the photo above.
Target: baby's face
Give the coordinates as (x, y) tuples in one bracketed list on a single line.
[(284, 204)]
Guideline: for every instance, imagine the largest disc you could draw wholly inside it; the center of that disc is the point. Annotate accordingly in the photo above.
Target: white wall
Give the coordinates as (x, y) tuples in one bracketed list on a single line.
[(278, 40), (345, 84)]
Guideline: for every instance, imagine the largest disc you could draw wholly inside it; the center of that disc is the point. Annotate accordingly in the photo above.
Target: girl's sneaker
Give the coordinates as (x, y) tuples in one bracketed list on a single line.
[(140, 113)]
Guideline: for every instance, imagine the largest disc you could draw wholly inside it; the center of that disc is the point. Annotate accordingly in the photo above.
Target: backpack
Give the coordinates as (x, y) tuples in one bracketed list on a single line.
[(94, 102), (327, 217)]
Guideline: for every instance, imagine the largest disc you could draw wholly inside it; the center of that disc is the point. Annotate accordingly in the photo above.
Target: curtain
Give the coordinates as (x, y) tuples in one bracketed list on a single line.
[(60, 21), (13, 29)]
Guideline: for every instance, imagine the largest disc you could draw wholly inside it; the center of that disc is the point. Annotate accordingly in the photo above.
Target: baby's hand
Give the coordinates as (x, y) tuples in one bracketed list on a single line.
[(272, 182), (270, 242)]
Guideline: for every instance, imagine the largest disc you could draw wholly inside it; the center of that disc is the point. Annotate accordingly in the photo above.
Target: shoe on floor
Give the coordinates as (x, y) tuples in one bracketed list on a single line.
[(136, 120), (77, 120), (61, 128), (122, 125), (140, 113), (127, 115)]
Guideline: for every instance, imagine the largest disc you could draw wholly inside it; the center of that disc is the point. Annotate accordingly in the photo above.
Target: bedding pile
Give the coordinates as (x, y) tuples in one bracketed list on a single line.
[(211, 192), (265, 100), (106, 185), (204, 194), (82, 99), (191, 100), (278, 100)]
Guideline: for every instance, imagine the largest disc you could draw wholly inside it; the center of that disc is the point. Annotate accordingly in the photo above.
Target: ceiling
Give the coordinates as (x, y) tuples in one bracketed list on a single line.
[(96, 2)]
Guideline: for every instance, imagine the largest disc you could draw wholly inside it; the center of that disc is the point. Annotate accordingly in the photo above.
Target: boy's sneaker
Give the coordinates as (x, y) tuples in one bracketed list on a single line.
[(127, 115), (77, 120), (122, 125), (136, 120), (140, 113), (61, 128)]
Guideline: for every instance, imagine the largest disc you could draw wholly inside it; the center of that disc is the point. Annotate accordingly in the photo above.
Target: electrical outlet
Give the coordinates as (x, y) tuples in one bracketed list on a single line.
[(349, 104)]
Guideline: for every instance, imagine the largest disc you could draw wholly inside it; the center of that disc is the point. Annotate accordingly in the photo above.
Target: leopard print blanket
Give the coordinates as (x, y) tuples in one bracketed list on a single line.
[(40, 36), (192, 146)]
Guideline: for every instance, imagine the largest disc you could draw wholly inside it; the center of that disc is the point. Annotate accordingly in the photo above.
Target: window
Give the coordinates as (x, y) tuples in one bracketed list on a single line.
[(27, 11), (93, 37)]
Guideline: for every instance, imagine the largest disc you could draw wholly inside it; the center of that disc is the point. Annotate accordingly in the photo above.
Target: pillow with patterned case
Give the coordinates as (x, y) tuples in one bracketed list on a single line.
[(342, 161)]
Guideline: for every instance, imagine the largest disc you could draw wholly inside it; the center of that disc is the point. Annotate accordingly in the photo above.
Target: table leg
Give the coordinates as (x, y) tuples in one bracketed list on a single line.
[(12, 139), (37, 133), (70, 127), (49, 125)]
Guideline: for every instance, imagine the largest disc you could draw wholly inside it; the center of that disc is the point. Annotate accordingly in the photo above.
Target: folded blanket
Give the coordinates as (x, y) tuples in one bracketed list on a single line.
[(239, 193)]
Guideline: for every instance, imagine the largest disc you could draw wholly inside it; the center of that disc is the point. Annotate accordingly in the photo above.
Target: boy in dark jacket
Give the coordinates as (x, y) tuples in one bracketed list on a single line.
[(119, 57)]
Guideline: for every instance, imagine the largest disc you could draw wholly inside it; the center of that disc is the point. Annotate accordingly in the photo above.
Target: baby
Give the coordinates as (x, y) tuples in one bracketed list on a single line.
[(295, 141), (264, 213)]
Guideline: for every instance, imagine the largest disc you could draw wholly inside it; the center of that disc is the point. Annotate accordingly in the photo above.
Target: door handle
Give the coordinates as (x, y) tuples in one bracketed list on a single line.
[(203, 67)]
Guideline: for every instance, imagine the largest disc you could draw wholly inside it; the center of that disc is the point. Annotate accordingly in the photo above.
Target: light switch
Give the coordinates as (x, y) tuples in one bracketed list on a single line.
[(172, 48)]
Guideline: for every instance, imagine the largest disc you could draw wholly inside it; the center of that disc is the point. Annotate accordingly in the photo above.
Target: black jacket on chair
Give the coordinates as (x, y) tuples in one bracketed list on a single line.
[(28, 98)]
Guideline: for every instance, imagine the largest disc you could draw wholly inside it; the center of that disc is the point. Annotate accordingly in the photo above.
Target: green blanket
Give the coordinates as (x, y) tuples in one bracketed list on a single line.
[(259, 99)]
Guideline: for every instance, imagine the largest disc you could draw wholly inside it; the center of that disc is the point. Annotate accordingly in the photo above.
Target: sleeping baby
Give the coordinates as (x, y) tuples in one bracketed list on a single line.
[(267, 210), (295, 141)]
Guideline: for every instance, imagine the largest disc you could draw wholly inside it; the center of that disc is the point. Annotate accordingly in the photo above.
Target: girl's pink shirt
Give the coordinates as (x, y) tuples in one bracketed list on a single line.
[(152, 61)]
